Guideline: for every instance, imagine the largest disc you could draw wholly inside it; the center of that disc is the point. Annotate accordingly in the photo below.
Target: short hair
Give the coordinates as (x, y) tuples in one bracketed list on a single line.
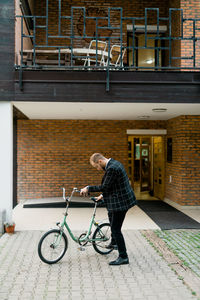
[(96, 157)]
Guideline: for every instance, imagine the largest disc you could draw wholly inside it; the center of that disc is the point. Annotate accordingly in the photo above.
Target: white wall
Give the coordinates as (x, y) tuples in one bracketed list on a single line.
[(6, 158)]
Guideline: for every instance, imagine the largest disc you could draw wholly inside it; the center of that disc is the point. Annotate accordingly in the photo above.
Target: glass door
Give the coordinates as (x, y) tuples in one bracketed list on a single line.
[(139, 162), (146, 164), (145, 143), (130, 161), (134, 160)]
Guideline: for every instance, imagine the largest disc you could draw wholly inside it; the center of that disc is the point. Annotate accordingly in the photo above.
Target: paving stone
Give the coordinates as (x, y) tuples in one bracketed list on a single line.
[(86, 274), (185, 245)]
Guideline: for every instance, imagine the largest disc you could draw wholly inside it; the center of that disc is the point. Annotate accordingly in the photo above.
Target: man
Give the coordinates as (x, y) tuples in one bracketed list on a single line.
[(118, 197)]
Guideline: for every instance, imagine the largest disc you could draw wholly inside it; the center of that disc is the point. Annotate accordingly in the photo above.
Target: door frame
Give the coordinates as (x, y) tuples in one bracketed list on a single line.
[(132, 160), (150, 134), (160, 176), (149, 156)]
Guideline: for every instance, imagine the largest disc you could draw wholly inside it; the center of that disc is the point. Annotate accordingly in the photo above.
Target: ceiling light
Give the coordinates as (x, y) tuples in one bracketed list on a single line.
[(143, 117), (160, 109), (149, 61)]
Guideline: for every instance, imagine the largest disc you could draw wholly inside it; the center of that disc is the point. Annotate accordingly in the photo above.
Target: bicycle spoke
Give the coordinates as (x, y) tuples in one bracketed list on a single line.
[(101, 239), (52, 246)]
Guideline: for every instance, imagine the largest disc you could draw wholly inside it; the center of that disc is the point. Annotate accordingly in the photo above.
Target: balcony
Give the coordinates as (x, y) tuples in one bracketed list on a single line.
[(105, 39)]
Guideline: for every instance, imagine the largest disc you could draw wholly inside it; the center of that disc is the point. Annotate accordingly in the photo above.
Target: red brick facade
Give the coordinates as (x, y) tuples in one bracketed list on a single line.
[(191, 9), (185, 167), (52, 154)]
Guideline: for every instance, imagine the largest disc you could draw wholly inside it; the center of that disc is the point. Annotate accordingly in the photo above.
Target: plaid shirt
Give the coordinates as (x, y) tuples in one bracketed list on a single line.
[(117, 192)]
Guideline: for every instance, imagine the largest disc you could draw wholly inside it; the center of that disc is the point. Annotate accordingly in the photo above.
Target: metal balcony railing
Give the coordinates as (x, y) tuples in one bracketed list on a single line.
[(109, 42)]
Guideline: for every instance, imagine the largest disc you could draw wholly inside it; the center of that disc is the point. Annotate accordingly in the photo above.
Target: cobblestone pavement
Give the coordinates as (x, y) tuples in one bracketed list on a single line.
[(86, 274), (185, 244)]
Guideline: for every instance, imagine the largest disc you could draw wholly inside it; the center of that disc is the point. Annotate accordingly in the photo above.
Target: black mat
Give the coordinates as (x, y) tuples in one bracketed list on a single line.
[(57, 205), (166, 216), (62, 204)]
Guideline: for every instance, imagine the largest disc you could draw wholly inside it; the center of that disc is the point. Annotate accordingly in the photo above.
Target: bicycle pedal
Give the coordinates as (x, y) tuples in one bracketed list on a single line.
[(81, 248)]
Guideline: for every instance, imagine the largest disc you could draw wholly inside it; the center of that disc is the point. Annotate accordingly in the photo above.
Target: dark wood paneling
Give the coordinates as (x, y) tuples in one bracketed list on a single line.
[(118, 76), (160, 87), (7, 42)]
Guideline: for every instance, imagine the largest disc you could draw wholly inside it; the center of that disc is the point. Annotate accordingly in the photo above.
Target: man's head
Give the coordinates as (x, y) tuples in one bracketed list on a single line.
[(98, 161)]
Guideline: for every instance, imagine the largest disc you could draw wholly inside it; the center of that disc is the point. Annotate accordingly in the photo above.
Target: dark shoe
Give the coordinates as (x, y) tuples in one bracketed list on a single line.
[(111, 246), (119, 261)]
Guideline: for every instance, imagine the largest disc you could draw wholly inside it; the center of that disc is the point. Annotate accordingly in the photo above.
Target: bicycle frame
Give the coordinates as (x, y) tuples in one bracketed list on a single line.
[(54, 243), (64, 223)]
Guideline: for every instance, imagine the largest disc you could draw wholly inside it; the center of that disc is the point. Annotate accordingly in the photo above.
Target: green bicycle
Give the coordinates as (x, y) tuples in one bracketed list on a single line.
[(54, 243)]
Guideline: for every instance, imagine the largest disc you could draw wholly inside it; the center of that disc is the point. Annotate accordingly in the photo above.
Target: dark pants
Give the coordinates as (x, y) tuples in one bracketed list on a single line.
[(116, 219)]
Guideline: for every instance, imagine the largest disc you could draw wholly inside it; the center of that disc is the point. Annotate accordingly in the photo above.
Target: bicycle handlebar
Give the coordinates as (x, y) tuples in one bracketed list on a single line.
[(77, 191), (94, 199)]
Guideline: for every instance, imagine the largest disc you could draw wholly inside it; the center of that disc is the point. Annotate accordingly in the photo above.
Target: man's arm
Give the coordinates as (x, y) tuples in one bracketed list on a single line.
[(108, 181)]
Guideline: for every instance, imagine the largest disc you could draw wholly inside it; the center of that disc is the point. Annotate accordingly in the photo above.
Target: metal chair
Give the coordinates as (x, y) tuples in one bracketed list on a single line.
[(96, 48), (116, 56)]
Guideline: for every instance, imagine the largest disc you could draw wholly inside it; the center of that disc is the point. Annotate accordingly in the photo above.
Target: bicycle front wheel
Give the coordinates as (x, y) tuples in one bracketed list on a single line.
[(102, 238), (52, 246)]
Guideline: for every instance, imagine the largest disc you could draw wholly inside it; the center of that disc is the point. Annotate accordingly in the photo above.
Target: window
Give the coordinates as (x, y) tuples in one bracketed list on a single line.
[(152, 56)]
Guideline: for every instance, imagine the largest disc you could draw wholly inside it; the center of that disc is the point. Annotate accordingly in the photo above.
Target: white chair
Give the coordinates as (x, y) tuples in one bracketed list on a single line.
[(116, 56), (95, 49)]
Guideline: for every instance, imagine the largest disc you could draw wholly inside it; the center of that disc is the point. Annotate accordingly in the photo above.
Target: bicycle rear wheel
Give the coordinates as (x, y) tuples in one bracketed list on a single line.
[(102, 238), (52, 246)]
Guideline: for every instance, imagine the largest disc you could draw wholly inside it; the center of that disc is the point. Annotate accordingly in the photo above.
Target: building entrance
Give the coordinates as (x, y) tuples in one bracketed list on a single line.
[(146, 166)]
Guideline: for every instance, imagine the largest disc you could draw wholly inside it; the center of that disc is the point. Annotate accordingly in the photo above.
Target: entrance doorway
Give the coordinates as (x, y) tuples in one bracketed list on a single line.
[(146, 166)]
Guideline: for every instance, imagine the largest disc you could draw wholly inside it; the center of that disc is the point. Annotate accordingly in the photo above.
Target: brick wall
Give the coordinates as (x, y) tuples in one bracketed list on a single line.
[(185, 167), (94, 8), (52, 154), (176, 25), (191, 9)]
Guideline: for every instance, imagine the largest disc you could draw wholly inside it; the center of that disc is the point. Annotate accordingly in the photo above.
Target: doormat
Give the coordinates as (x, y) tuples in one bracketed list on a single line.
[(166, 216)]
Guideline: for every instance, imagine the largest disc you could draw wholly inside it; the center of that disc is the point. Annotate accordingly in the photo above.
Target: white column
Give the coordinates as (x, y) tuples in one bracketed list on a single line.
[(6, 158)]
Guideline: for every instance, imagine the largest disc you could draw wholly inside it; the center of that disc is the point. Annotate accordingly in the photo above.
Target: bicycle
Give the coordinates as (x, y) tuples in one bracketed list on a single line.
[(54, 243)]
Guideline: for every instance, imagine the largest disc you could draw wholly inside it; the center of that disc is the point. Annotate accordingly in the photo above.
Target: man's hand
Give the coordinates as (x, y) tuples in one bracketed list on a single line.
[(84, 191), (99, 198)]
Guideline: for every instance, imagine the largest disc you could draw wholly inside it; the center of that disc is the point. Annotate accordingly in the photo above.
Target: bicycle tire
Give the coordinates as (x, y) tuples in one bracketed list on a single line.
[(103, 231), (47, 249)]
